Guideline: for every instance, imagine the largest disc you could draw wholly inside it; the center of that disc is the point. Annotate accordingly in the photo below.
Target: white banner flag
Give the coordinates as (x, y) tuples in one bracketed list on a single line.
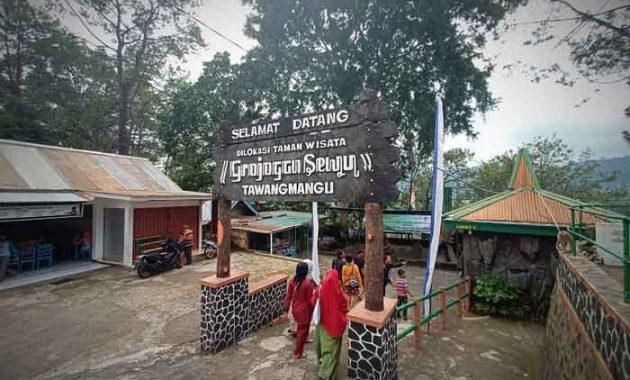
[(315, 259), (437, 195), (315, 254)]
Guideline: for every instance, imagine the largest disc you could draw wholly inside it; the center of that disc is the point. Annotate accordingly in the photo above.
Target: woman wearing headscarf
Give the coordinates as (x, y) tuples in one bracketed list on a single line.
[(292, 324), (299, 299), (332, 324)]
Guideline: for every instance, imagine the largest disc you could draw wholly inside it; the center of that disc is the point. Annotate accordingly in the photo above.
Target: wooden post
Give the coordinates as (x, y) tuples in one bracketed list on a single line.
[(374, 257), (458, 296), (443, 308), (469, 294), (417, 334), (224, 237)]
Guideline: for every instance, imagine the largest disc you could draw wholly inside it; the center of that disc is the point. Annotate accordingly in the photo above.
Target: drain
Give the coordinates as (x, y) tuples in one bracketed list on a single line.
[(62, 281)]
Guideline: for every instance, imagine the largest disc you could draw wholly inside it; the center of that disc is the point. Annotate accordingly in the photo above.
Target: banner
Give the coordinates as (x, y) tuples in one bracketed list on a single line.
[(315, 254), (437, 195), (315, 259)]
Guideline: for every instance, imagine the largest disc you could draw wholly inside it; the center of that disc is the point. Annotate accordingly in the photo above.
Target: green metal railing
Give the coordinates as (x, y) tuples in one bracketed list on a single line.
[(417, 305), (579, 231)]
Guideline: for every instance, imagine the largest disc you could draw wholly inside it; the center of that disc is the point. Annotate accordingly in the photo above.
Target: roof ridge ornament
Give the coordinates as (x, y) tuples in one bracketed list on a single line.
[(523, 173)]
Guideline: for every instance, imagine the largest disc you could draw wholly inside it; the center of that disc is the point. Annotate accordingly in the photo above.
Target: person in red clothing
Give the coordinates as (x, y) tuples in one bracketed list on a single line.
[(299, 299), (333, 306)]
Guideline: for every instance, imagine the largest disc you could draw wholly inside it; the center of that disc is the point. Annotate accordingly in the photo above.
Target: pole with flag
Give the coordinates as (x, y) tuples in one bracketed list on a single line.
[(314, 253), (437, 195), (315, 258)]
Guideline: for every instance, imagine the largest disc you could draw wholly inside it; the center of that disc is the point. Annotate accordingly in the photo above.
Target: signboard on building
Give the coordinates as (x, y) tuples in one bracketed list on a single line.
[(45, 211), (344, 154)]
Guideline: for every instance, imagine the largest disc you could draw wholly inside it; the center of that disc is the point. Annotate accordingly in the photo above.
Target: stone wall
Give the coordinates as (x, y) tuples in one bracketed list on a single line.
[(232, 308), (224, 313), (265, 301), (588, 335), (525, 260), (571, 353)]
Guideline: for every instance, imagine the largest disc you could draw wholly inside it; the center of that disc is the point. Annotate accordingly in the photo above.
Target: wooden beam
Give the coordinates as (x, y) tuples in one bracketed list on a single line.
[(224, 237), (374, 257)]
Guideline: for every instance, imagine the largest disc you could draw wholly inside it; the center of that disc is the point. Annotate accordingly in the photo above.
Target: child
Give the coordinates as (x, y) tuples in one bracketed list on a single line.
[(300, 300), (402, 289)]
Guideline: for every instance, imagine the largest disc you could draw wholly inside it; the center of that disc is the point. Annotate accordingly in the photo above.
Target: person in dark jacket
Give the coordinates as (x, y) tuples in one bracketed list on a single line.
[(359, 260), (388, 264), (339, 262), (299, 299)]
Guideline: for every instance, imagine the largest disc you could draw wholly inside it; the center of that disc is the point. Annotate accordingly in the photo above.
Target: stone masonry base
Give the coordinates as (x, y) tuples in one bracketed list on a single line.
[(231, 308), (372, 350)]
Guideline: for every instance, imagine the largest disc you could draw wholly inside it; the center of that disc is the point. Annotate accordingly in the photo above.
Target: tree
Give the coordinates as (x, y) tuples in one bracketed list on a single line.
[(187, 124), (53, 89), (456, 174), (558, 167), (140, 37), (319, 54), (599, 42)]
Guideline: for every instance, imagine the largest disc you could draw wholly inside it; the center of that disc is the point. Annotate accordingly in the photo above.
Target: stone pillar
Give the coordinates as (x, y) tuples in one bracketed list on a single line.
[(372, 350), (224, 310)]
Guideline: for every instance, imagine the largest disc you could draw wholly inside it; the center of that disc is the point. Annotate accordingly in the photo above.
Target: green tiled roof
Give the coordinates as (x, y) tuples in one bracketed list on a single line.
[(406, 223), (286, 220)]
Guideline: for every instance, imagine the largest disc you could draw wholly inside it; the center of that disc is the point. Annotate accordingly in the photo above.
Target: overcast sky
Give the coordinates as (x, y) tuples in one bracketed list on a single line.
[(525, 110)]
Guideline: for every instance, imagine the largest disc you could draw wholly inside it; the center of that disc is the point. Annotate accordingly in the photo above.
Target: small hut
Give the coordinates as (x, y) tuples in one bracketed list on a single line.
[(515, 231)]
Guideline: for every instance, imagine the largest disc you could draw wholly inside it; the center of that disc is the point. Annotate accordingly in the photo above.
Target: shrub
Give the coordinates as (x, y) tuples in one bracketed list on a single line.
[(539, 304), (493, 294)]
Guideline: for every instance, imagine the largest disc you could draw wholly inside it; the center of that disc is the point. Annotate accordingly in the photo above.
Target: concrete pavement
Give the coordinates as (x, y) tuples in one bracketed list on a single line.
[(113, 325)]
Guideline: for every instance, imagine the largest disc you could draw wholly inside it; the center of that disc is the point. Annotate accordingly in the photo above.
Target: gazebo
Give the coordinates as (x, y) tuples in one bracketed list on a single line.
[(515, 231)]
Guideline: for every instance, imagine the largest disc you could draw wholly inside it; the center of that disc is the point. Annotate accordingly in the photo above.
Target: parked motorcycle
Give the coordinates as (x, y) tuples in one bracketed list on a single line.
[(209, 248), (150, 264)]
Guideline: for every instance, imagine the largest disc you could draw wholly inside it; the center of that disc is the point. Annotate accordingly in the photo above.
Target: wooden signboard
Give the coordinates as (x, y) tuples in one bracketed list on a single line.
[(345, 154)]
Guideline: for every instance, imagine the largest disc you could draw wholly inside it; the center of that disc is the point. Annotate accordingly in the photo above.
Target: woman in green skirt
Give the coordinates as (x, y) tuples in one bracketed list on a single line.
[(332, 324)]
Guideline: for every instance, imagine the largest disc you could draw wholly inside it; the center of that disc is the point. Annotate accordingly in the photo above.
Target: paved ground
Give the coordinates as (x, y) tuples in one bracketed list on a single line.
[(112, 325)]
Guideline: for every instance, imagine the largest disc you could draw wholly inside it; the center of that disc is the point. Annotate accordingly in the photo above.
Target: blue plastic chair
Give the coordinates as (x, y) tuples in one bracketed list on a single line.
[(45, 253), (28, 255), (14, 259)]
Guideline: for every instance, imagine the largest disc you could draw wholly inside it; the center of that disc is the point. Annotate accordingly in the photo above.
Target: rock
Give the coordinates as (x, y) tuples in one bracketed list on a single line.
[(490, 355)]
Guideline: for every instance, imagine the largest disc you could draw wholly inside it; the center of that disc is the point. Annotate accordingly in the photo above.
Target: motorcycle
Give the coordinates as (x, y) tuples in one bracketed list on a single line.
[(150, 264), (209, 248)]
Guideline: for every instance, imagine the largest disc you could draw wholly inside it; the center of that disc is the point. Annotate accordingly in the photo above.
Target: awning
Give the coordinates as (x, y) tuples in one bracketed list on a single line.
[(36, 205), (273, 222), (30, 197)]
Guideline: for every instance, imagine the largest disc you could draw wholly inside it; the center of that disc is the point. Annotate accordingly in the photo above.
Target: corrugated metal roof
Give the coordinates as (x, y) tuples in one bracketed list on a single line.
[(527, 206), (25, 166), (406, 223), (527, 203)]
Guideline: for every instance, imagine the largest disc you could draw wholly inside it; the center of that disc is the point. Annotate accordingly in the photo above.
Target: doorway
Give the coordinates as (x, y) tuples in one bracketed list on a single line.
[(114, 235)]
